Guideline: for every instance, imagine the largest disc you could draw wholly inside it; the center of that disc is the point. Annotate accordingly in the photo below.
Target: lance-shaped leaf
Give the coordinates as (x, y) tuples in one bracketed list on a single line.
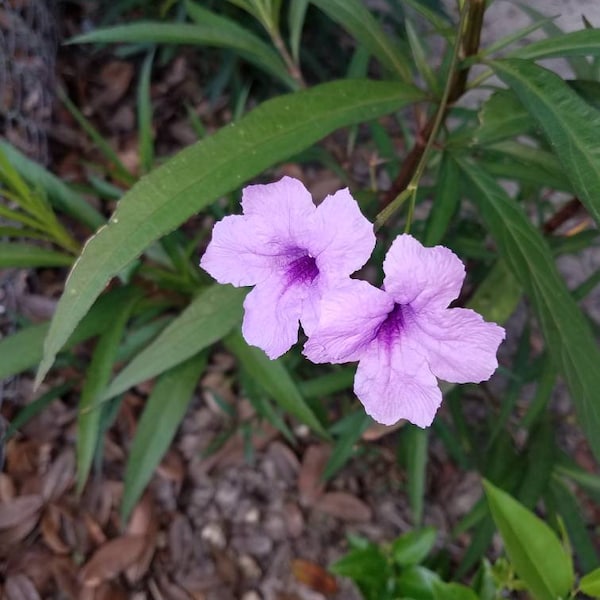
[(220, 32), (210, 316), (585, 42), (162, 414), (571, 125), (274, 378), (533, 548), (356, 18), (568, 336), (198, 175)]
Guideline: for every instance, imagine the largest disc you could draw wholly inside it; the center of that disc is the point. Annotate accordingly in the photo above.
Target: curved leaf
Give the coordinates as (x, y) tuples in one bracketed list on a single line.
[(219, 33), (571, 125), (14, 254), (533, 548), (96, 378), (198, 175), (275, 380), (162, 414), (585, 42), (568, 336), (356, 18), (209, 317), (24, 350)]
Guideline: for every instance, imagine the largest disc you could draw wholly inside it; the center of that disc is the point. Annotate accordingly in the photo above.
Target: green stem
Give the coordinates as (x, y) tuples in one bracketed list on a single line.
[(413, 184)]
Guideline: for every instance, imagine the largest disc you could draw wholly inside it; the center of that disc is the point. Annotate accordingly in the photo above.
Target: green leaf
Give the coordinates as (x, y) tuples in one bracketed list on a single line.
[(102, 144), (356, 18), (368, 568), (532, 547), (296, 16), (571, 125), (273, 377), (571, 513), (23, 350), (349, 429), (523, 162), (34, 408), (413, 547), (216, 32), (156, 429), (580, 65), (568, 335), (590, 584), (144, 106), (502, 116), (416, 444), (447, 200), (208, 318), (417, 582), (585, 42), (13, 254), (60, 195), (209, 169), (96, 378), (498, 295), (452, 591)]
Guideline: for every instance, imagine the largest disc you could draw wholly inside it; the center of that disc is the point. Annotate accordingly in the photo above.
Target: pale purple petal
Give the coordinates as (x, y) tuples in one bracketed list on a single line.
[(283, 208), (236, 253), (461, 346), (425, 278), (341, 238), (349, 319), (393, 382), (271, 316)]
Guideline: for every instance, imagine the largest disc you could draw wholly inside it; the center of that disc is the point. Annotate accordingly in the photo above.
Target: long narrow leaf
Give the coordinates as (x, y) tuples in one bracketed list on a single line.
[(209, 317), (568, 336), (231, 36), (96, 379), (585, 42), (23, 350), (356, 18), (60, 195), (13, 254), (571, 125), (198, 175), (164, 411), (273, 377)]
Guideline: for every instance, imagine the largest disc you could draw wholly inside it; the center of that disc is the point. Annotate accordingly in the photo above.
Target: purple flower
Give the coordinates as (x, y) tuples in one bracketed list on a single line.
[(404, 336), (291, 251)]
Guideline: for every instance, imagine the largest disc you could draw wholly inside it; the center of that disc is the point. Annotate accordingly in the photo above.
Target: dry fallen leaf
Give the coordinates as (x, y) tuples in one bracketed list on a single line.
[(112, 558), (142, 523), (310, 483), (60, 476), (50, 528), (314, 576), (344, 506), (20, 587), (19, 509)]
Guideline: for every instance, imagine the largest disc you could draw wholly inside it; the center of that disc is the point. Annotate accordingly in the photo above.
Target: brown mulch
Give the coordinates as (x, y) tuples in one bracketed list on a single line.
[(231, 524)]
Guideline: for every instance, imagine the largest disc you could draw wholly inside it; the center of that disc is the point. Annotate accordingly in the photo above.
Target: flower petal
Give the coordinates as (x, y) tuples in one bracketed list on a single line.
[(460, 345), (284, 208), (393, 382), (342, 239), (236, 253), (271, 316), (349, 319), (422, 277)]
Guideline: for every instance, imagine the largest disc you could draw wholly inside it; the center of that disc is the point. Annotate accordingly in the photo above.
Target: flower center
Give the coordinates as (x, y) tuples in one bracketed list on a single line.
[(302, 270), (394, 324)]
